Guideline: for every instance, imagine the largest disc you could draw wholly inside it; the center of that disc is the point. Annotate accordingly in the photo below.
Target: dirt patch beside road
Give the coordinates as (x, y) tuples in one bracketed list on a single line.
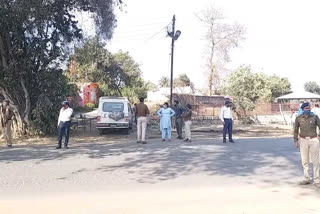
[(86, 136)]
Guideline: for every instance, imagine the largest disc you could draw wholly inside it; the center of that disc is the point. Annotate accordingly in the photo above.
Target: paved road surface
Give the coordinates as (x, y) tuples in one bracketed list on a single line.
[(253, 176)]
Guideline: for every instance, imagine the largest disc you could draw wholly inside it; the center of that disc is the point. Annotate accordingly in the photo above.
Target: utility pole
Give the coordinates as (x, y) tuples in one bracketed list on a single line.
[(172, 51)]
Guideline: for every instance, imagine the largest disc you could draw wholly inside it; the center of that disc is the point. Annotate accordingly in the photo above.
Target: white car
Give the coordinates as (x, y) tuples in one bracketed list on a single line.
[(114, 113)]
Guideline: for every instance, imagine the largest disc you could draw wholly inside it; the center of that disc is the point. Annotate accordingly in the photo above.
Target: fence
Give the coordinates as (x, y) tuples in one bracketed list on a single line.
[(260, 109)]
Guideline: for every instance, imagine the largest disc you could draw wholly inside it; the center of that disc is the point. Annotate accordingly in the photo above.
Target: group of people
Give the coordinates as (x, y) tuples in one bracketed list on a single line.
[(180, 114), (305, 128)]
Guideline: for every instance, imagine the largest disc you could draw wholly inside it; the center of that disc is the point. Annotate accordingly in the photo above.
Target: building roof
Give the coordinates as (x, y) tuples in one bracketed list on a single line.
[(299, 95)]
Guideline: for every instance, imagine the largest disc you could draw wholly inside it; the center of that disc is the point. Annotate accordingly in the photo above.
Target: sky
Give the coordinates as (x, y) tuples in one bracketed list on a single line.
[(282, 37)]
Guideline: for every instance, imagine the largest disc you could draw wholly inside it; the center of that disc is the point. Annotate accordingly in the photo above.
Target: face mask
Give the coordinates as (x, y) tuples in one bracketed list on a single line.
[(164, 106), (307, 112)]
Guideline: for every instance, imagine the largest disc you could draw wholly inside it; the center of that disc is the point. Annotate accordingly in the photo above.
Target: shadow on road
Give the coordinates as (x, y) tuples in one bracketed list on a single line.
[(158, 161)]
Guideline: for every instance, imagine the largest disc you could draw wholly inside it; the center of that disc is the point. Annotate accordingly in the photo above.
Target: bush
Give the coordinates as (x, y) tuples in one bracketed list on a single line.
[(89, 106)]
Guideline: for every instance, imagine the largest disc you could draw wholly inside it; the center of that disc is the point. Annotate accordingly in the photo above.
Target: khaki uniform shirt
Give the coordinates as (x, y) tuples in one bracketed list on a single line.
[(307, 125)]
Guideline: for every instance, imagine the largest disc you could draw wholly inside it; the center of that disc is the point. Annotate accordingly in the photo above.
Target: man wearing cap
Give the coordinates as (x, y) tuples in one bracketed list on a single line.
[(6, 121), (142, 113), (187, 123), (64, 123), (306, 127), (227, 120)]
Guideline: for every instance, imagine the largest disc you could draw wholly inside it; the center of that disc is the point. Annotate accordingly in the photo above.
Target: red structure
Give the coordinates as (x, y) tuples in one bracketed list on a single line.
[(89, 93)]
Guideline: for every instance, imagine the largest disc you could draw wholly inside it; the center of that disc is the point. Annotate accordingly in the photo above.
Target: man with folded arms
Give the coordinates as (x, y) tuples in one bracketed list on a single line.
[(306, 127)]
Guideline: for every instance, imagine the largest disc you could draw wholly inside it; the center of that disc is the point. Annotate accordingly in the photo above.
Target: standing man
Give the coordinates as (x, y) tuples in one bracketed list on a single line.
[(6, 121), (64, 123), (227, 120), (316, 110), (187, 123), (306, 127), (179, 123), (142, 113)]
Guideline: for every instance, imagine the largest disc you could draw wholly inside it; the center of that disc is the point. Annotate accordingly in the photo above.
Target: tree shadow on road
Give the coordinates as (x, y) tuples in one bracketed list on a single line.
[(161, 161)]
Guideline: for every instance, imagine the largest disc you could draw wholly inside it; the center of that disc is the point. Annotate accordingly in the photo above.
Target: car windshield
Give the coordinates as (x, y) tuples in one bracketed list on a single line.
[(112, 107)]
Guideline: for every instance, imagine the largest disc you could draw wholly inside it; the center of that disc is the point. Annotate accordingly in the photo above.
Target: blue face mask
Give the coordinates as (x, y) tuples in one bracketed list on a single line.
[(164, 106), (307, 112)]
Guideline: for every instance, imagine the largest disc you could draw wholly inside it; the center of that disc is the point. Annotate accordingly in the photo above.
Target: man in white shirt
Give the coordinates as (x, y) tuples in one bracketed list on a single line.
[(64, 123), (316, 110), (227, 120)]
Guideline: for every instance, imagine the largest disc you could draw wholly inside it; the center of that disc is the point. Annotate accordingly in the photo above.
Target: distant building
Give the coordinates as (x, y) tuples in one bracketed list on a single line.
[(297, 97)]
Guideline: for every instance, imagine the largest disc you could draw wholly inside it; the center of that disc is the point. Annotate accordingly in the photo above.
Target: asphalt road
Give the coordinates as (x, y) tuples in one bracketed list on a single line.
[(254, 175)]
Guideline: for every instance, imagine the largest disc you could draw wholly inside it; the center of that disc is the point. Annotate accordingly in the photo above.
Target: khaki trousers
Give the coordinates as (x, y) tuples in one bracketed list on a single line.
[(187, 129), (310, 148), (141, 128), (6, 132)]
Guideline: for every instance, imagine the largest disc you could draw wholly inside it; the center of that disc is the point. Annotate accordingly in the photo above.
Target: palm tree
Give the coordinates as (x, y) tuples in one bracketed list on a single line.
[(164, 82)]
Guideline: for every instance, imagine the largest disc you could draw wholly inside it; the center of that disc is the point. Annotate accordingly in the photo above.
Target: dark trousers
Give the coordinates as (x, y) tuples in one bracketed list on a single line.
[(227, 128), (179, 124), (64, 129)]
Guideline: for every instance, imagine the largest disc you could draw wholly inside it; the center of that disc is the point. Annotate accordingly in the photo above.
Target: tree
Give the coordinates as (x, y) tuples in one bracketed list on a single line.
[(278, 86), (116, 73), (312, 87), (164, 82), (182, 81), (221, 37), (34, 40), (247, 89)]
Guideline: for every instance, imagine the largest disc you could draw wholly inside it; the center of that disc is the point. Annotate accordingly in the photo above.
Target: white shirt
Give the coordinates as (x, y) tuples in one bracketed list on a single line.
[(65, 115), (316, 111), (226, 113)]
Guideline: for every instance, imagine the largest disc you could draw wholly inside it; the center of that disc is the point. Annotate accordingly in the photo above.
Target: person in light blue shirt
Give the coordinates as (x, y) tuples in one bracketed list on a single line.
[(300, 112), (165, 114)]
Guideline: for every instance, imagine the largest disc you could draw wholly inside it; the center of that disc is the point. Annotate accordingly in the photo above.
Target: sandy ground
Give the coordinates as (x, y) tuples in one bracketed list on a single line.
[(113, 174)]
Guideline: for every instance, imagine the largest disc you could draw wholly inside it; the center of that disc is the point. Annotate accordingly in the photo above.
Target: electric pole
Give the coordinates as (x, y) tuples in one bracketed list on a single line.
[(172, 51)]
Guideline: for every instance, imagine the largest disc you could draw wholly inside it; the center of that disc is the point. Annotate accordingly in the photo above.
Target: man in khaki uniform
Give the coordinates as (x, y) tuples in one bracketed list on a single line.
[(6, 121), (306, 127), (142, 113)]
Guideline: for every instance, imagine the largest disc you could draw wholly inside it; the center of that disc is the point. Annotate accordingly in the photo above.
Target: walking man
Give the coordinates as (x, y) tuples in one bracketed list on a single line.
[(179, 123), (306, 127), (187, 123), (142, 113), (6, 121), (227, 120), (64, 123)]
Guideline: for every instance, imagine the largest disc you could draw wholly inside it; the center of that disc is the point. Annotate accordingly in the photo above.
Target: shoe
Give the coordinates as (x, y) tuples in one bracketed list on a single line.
[(9, 146), (138, 141), (178, 137), (224, 141), (231, 141), (186, 140), (163, 140), (317, 185), (58, 147), (305, 182), (66, 147), (144, 142)]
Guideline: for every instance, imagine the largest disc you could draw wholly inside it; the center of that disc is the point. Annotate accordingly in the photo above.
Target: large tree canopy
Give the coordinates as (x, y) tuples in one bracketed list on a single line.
[(312, 87), (34, 39), (117, 73), (248, 88)]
